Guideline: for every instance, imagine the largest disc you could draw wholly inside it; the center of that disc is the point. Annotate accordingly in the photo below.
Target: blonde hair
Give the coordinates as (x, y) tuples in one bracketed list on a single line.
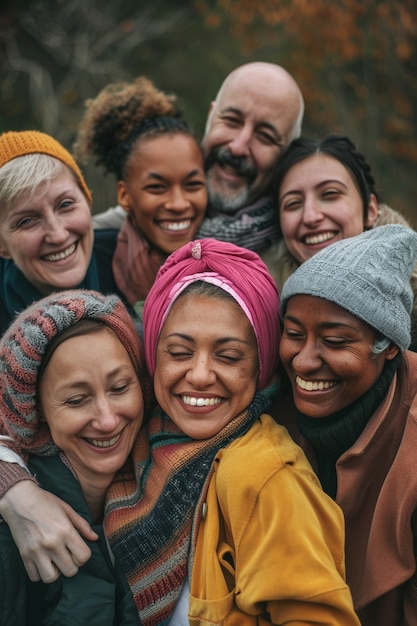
[(21, 178)]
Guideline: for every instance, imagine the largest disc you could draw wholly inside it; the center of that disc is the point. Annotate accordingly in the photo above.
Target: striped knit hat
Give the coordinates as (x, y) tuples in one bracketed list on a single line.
[(25, 343), (16, 144)]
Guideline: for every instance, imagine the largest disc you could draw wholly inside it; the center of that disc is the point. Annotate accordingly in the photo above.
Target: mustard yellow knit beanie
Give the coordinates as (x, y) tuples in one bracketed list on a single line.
[(15, 144)]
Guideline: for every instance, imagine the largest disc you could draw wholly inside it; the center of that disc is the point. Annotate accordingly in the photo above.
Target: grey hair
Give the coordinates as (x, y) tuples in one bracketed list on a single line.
[(22, 176), (380, 344)]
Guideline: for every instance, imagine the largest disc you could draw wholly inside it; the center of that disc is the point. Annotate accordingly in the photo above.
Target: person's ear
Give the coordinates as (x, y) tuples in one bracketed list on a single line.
[(4, 252), (123, 196), (391, 352), (372, 211)]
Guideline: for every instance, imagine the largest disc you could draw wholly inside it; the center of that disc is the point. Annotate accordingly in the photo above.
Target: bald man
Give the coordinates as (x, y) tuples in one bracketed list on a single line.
[(258, 110)]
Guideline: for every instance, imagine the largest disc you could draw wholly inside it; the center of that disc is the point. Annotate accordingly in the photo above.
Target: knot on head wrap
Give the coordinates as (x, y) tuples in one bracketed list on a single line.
[(15, 144), (238, 271), (368, 275), (24, 344)]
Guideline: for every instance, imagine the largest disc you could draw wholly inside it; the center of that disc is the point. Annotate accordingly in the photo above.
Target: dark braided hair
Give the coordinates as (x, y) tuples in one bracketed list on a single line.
[(120, 114), (338, 147)]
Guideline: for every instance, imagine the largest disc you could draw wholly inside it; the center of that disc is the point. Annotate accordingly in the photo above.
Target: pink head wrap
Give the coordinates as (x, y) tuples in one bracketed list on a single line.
[(238, 271)]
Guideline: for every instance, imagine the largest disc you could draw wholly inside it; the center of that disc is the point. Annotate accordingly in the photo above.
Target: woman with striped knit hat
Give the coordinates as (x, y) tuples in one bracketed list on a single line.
[(73, 390)]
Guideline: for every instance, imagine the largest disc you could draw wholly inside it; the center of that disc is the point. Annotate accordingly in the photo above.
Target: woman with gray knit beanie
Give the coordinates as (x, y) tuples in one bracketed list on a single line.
[(72, 400), (346, 330)]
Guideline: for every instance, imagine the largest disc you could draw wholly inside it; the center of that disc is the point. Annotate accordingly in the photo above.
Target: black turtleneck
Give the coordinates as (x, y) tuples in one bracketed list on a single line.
[(331, 436)]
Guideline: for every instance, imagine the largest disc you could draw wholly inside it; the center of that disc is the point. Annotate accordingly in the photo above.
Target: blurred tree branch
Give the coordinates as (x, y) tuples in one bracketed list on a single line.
[(67, 50)]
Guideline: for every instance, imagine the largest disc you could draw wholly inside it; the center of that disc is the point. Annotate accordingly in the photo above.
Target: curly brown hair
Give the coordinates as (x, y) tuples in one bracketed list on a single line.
[(120, 114)]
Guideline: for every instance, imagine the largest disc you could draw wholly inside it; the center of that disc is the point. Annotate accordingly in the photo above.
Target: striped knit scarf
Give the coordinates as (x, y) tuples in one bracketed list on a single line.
[(149, 516), (254, 227)]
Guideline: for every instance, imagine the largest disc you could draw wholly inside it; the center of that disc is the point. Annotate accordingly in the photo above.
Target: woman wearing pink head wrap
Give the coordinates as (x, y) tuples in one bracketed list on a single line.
[(224, 521), (240, 273)]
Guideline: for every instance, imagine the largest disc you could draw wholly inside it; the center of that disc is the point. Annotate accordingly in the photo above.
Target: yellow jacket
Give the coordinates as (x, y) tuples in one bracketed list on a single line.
[(269, 542)]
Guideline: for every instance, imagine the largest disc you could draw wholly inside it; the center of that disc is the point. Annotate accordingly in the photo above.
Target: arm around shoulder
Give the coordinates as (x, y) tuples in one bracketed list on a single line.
[(46, 530)]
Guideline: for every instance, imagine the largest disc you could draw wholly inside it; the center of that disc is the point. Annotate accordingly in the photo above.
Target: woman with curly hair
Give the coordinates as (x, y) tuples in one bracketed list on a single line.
[(136, 132)]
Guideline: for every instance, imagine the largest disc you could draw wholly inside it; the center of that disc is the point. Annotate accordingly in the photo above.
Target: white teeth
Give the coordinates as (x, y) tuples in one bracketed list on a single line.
[(60, 255), (200, 401), (99, 443), (175, 226), (315, 239), (313, 385)]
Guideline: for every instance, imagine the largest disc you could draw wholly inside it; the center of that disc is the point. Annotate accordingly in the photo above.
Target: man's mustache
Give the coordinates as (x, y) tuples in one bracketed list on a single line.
[(225, 157)]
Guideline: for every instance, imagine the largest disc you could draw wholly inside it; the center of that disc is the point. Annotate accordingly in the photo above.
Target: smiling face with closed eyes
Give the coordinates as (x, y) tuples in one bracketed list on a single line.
[(206, 364)]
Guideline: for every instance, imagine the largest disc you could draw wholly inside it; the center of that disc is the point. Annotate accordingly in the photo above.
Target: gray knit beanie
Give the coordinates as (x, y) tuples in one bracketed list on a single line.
[(368, 275)]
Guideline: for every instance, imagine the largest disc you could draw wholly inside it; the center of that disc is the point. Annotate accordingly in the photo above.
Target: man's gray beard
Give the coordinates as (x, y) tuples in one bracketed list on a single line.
[(226, 204)]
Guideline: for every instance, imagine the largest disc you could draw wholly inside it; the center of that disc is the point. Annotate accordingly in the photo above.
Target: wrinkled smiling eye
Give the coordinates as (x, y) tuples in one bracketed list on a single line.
[(233, 121), (26, 222), (178, 354), (268, 139), (75, 401)]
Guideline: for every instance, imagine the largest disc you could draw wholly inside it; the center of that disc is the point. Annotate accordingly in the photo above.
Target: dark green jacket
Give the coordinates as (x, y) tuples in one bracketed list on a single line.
[(97, 596)]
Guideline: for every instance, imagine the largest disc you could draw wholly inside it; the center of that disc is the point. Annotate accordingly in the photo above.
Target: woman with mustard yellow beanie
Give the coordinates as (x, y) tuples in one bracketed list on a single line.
[(46, 234)]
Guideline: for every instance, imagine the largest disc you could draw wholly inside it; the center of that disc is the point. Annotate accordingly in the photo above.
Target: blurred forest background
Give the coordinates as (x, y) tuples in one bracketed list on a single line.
[(355, 61)]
